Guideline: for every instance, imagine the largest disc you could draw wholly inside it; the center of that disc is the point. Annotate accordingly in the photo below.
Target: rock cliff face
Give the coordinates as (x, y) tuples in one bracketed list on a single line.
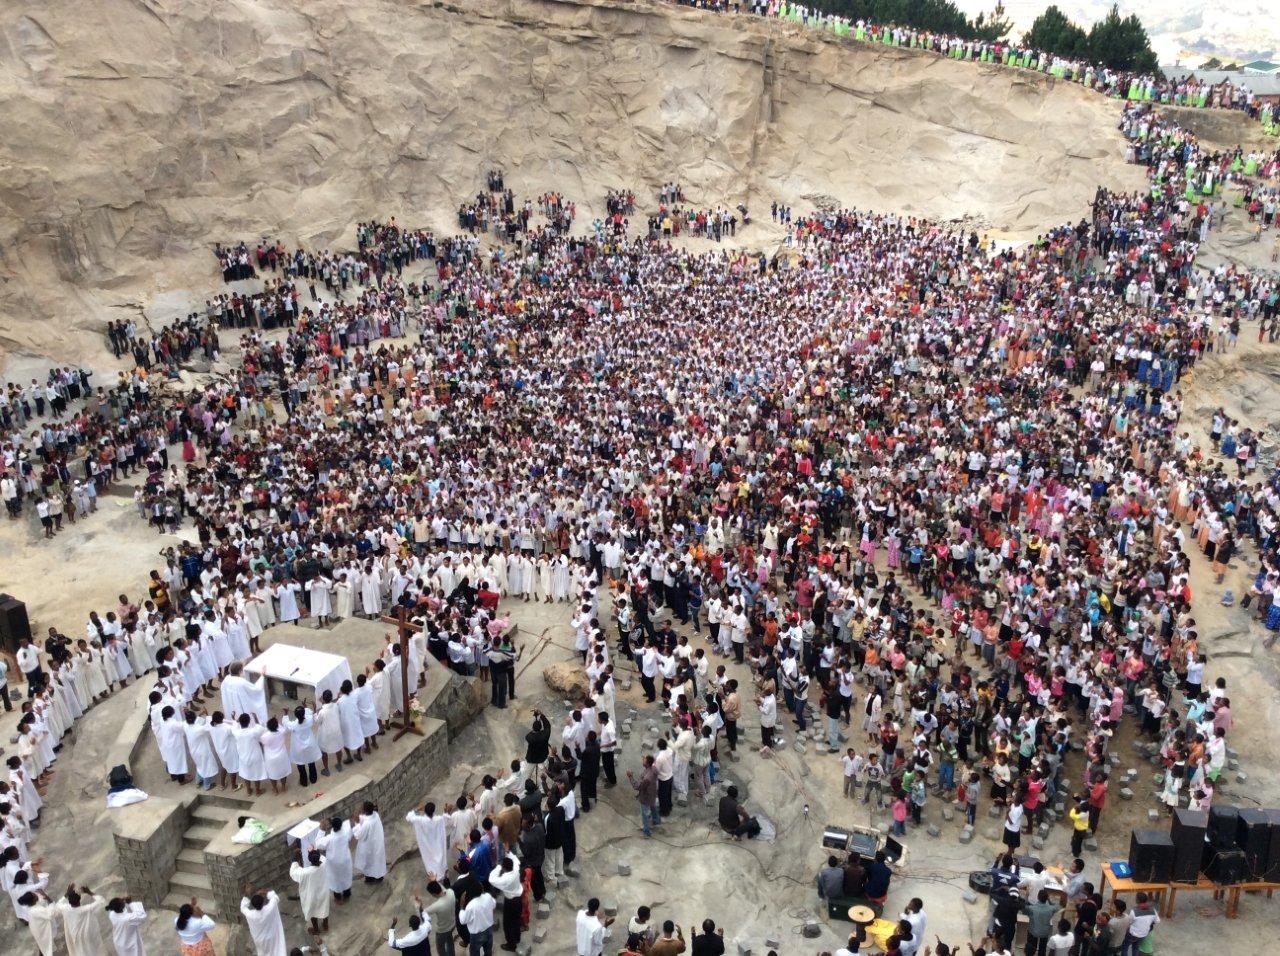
[(135, 133)]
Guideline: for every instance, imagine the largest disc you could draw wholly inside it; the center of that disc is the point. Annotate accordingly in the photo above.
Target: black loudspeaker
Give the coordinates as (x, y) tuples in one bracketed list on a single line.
[(1223, 823), (1253, 836), (1272, 875), (1188, 835), (1226, 867), (14, 625), (1150, 856)]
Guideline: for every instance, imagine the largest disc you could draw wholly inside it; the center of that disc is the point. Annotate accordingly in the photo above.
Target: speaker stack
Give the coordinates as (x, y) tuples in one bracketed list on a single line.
[(14, 625), (1188, 835), (1224, 824), (1253, 838), (1151, 855)]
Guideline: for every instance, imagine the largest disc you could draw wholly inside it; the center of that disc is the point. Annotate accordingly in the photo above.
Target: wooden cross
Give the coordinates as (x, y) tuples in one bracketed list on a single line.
[(405, 627)]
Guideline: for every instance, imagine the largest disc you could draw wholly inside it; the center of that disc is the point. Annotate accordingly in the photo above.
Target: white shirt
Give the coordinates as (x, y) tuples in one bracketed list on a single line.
[(590, 932), (477, 916)]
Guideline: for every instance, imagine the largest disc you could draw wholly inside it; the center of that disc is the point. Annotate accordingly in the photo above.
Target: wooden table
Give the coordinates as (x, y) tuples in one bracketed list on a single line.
[(1200, 885), (1119, 884), (1256, 886)]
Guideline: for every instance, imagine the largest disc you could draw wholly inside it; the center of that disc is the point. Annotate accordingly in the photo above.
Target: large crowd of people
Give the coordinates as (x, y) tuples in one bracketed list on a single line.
[(934, 496)]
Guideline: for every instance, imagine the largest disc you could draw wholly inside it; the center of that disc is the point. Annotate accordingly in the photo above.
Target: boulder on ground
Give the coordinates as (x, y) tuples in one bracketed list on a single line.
[(567, 679)]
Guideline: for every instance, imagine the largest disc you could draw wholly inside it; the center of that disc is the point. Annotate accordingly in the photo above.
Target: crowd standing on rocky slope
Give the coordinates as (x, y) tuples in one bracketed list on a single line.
[(908, 482)]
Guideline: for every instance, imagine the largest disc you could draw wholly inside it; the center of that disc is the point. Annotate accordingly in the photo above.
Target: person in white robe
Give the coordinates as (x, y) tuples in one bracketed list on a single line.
[(266, 607), (304, 750), (243, 696), (367, 710), (224, 745), (127, 918), (349, 721), (381, 691), (371, 846), (343, 597), (261, 912), (329, 732), (287, 594), (275, 756), (432, 833), (319, 590), (371, 591), (42, 921), (515, 575), (335, 844), (172, 741), (543, 587), (248, 738), (560, 579), (498, 572), (81, 923), (311, 875), (241, 634), (200, 745)]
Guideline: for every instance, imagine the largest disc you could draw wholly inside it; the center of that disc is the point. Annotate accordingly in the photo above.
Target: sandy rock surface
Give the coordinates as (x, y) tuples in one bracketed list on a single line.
[(136, 133)]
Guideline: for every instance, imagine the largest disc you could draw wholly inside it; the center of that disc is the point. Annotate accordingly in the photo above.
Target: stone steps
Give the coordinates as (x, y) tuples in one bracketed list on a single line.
[(200, 836), (175, 901)]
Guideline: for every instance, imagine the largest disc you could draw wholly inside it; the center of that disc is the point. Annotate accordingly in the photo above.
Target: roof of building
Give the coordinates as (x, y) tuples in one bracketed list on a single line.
[(1261, 66)]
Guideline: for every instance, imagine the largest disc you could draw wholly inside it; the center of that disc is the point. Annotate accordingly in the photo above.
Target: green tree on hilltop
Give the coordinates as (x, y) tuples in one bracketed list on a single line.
[(1052, 31), (1121, 43)]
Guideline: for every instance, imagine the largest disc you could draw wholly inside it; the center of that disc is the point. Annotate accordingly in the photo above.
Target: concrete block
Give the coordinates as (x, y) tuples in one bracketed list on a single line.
[(539, 935), (1242, 778), (812, 929), (624, 868), (966, 835), (1131, 773), (626, 683), (610, 908), (799, 747), (970, 896), (682, 800), (948, 814), (1115, 760), (742, 947), (1037, 843), (1153, 815), (842, 736), (1126, 793), (935, 831), (544, 910), (1043, 831), (772, 942), (1091, 844), (1059, 808)]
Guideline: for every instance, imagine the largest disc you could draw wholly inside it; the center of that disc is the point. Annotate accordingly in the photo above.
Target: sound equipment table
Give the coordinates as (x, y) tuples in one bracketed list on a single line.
[(1119, 884), (1233, 894)]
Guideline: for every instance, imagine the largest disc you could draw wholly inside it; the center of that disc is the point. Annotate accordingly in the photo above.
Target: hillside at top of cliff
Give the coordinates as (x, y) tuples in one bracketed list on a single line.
[(136, 133)]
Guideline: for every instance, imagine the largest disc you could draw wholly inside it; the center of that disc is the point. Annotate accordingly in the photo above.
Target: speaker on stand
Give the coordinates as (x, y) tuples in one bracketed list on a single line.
[(1188, 835), (1150, 856), (1253, 837)]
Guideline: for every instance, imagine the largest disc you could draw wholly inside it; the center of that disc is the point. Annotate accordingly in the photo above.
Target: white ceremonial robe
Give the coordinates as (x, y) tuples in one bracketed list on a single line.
[(303, 748), (318, 591), (42, 920), (242, 696), (275, 755), (329, 728), (287, 594), (265, 926), (173, 746), (200, 746), (336, 847), (126, 930), (313, 889), (349, 722), (249, 752), (371, 847), (80, 925), (432, 834)]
